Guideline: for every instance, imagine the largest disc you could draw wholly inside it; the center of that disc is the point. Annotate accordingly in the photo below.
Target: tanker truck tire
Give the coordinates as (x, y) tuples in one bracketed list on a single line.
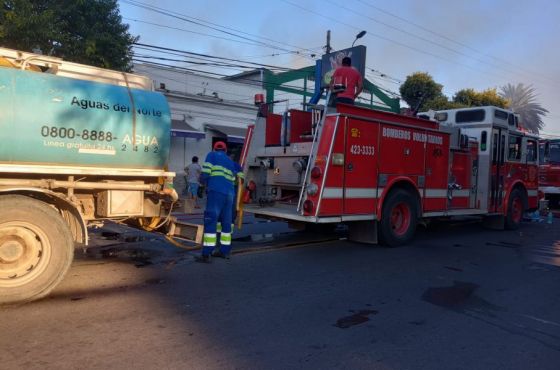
[(515, 210), (36, 249), (398, 218)]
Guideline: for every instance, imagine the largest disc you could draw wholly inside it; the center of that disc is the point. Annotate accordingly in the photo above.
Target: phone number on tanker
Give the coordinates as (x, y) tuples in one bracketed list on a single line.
[(70, 133)]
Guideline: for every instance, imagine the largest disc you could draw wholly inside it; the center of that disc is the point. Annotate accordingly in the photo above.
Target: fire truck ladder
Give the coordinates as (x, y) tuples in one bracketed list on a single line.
[(318, 128)]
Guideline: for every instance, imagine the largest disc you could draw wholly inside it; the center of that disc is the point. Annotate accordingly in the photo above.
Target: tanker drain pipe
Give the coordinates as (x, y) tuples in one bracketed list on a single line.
[(172, 193)]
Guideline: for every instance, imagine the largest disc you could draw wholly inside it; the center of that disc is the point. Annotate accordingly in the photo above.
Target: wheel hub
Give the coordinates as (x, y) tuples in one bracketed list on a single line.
[(400, 219), (10, 251), (20, 252)]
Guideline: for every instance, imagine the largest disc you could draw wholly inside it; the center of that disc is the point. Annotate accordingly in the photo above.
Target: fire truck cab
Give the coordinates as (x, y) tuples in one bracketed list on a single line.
[(381, 172)]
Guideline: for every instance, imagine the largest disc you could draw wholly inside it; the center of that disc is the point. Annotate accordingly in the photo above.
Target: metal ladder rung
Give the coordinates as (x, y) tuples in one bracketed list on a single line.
[(313, 153)]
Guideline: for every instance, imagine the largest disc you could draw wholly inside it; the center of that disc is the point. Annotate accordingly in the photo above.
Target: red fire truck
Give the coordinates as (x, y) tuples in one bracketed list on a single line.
[(381, 172), (549, 171)]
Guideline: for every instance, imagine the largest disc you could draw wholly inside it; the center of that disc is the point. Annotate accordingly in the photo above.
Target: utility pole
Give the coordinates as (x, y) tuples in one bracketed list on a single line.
[(328, 46)]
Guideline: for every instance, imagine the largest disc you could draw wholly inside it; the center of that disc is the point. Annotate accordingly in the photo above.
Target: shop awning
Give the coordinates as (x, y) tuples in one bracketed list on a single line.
[(233, 134), (183, 129)]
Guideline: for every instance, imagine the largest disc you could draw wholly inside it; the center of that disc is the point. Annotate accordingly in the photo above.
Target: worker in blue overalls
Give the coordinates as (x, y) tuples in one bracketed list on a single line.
[(219, 175)]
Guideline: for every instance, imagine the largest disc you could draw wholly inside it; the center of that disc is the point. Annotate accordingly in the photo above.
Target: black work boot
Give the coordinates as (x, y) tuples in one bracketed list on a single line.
[(220, 255), (202, 259)]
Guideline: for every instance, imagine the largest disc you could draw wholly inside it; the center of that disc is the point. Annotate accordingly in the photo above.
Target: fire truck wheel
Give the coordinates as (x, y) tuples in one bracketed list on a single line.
[(398, 219), (515, 210), (36, 249)]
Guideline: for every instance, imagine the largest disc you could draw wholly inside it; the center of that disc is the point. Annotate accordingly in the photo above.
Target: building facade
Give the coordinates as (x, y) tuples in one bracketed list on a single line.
[(203, 110)]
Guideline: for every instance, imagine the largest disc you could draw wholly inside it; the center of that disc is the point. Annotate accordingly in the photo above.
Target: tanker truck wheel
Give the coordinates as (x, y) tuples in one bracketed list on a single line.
[(398, 218), (36, 249)]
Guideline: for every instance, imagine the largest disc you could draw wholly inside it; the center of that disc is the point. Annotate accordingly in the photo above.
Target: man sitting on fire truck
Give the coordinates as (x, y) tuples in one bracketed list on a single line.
[(348, 78)]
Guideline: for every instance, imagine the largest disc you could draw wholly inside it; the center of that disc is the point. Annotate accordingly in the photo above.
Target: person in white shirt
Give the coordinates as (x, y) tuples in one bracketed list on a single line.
[(192, 172)]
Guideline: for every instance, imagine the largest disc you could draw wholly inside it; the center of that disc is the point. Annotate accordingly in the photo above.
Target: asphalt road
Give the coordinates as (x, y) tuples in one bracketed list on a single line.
[(459, 297)]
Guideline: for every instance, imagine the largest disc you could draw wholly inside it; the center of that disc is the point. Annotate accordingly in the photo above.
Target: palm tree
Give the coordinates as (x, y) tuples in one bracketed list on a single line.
[(522, 100)]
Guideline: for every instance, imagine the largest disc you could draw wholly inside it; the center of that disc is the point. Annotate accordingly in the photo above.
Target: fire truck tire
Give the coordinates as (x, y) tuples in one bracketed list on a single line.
[(398, 218), (36, 249), (515, 210)]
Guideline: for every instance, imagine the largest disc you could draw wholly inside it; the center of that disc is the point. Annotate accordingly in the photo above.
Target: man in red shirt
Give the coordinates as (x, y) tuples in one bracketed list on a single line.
[(350, 78)]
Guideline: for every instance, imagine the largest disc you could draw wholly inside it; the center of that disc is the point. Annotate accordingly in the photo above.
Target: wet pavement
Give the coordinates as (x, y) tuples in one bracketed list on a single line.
[(459, 297)]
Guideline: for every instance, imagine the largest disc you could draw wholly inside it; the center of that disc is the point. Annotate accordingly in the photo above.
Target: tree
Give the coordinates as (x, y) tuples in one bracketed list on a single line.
[(82, 31), (440, 103), (420, 88), (522, 100), (472, 98)]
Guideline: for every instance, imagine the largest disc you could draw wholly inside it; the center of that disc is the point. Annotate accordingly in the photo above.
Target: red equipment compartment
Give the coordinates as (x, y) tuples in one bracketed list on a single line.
[(402, 152), (549, 175), (437, 167), (273, 130), (300, 126), (360, 170)]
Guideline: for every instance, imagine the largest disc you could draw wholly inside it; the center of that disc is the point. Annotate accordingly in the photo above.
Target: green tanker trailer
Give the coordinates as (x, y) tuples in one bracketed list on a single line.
[(78, 145)]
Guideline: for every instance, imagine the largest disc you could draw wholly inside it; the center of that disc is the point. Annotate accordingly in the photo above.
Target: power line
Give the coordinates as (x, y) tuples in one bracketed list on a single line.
[(386, 77), (177, 52), (154, 74), (199, 33), (369, 32), (277, 85), (391, 40), (388, 25), (210, 25), (224, 65), (383, 88), (243, 32), (408, 21), (185, 19), (257, 82), (219, 37), (210, 56), (288, 52)]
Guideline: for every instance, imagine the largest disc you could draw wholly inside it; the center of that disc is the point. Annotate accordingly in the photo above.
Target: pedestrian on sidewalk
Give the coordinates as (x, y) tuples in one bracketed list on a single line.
[(193, 172), (218, 174)]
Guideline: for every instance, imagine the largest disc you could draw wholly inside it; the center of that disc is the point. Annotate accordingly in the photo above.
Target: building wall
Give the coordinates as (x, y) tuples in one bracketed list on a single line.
[(197, 102)]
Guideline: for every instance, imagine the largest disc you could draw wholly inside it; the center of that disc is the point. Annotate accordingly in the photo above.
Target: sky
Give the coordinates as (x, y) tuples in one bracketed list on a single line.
[(462, 44)]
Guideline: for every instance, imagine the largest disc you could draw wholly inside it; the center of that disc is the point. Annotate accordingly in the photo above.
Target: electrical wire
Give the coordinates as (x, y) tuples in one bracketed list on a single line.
[(210, 25), (211, 56), (199, 33), (312, 50), (278, 85), (154, 74), (288, 52), (259, 82), (225, 65), (440, 45), (332, 19), (411, 22)]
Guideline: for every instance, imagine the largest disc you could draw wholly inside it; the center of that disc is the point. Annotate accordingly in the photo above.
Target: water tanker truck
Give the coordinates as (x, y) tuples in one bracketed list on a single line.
[(79, 145)]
